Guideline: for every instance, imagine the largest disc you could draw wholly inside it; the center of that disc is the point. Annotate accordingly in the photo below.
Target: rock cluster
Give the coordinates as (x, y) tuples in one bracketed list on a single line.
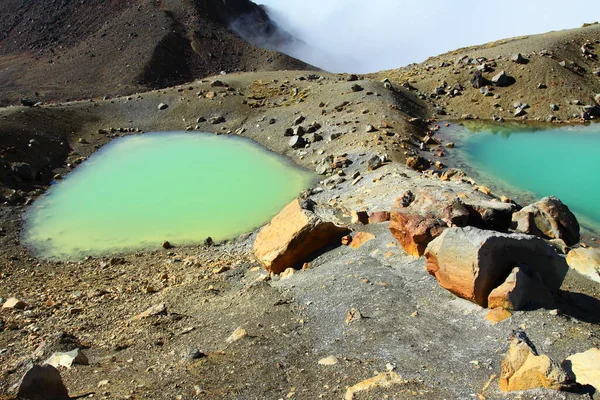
[(487, 251)]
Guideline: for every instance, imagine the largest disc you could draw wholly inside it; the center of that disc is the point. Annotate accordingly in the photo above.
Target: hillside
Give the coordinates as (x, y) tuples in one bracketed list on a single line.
[(55, 51), (561, 68)]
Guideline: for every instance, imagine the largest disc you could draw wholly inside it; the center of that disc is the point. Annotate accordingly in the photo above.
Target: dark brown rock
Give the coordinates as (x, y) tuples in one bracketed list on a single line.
[(549, 218)]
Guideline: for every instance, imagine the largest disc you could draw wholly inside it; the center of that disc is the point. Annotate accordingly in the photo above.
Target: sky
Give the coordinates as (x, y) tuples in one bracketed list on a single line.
[(372, 35)]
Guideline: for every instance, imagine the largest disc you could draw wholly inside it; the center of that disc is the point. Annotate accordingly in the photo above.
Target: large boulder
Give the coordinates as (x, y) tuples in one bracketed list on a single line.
[(586, 261), (585, 367), (299, 230), (42, 382), (523, 369), (471, 262), (549, 218)]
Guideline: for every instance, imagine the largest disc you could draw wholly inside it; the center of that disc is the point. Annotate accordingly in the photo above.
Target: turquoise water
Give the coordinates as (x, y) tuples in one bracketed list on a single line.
[(138, 191), (564, 162)]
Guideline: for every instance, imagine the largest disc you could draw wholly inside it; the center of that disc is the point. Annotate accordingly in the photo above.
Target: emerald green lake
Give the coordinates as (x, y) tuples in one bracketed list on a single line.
[(533, 163), (138, 191)]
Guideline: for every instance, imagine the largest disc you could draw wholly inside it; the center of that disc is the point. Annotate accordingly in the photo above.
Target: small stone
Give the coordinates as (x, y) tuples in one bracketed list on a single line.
[(518, 58), (217, 120), (14, 304), (353, 315), (102, 383), (296, 142), (501, 79), (328, 361), (238, 334), (163, 106), (67, 359), (374, 163), (166, 244), (346, 240), (359, 217), (554, 107), (195, 354), (356, 88), (158, 309), (287, 273), (360, 239), (370, 128), (300, 119)]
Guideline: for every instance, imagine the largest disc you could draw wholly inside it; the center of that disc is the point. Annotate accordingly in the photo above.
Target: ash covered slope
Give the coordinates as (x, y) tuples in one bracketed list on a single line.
[(73, 50), (560, 68)]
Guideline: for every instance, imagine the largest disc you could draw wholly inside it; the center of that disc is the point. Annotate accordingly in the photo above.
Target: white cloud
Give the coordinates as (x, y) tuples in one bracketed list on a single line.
[(366, 36)]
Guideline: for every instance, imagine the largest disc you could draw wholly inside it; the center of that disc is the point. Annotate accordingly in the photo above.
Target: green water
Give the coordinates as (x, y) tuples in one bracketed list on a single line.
[(564, 162), (138, 191)]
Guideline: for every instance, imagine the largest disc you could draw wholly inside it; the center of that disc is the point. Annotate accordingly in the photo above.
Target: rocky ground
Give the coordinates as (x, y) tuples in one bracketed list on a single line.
[(556, 76), (211, 322)]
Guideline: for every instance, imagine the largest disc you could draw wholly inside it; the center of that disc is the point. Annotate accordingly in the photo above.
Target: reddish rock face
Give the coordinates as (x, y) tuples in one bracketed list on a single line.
[(379, 217), (293, 235), (548, 218), (471, 262), (415, 232)]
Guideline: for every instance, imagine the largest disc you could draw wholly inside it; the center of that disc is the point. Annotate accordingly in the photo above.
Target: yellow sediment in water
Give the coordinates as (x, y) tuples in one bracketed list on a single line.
[(138, 191)]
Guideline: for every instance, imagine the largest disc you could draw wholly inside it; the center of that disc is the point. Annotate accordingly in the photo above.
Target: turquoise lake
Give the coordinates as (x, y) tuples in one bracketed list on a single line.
[(138, 191), (530, 163)]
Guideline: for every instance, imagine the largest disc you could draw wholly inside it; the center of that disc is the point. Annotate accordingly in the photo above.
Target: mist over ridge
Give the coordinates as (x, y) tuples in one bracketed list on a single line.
[(367, 36)]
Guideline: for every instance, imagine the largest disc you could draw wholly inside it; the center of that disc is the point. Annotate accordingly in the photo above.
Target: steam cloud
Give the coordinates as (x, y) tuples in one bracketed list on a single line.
[(371, 35)]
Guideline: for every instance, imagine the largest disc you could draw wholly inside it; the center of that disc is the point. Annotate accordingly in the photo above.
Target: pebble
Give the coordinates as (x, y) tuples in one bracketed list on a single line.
[(238, 334), (328, 361)]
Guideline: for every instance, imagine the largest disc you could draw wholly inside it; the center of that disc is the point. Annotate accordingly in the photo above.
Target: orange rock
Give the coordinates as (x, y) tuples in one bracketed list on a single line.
[(415, 232), (523, 370), (346, 240), (293, 235), (361, 238), (378, 217), (519, 290), (496, 315), (471, 262)]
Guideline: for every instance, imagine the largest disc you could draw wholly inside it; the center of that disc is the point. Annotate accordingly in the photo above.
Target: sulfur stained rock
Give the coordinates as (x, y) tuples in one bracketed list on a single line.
[(586, 261), (293, 235), (414, 232), (522, 288), (585, 367), (382, 380), (471, 262), (522, 369), (361, 238)]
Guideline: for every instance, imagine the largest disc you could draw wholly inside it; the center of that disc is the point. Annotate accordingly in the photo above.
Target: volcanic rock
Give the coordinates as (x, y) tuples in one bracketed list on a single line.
[(586, 261), (522, 288), (523, 369), (42, 382), (501, 79), (293, 235), (585, 367), (471, 262), (549, 218)]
